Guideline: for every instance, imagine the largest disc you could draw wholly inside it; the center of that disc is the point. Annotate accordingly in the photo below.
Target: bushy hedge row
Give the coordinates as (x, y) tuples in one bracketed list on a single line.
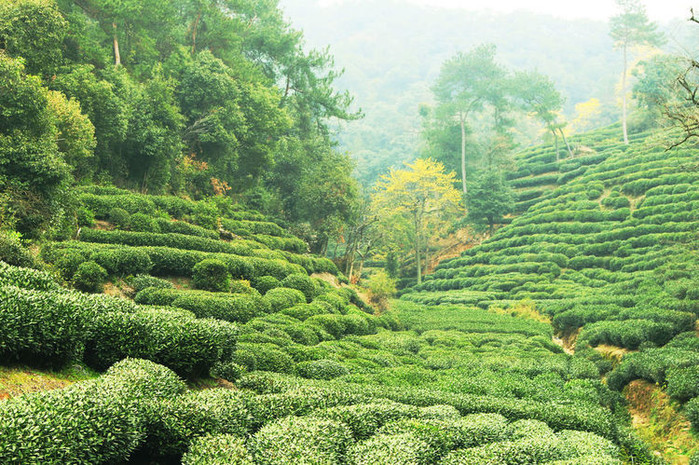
[(27, 278), (172, 240), (228, 307), (190, 346), (248, 228), (91, 422), (52, 328), (161, 261)]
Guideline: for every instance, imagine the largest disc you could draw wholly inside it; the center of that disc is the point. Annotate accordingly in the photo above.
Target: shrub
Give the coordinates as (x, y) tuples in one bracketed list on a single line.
[(123, 261), (211, 275), (119, 217), (281, 297), (399, 449), (691, 409), (265, 283), (301, 282), (27, 278), (229, 371), (263, 357), (448, 434), (220, 449), (321, 369), (39, 328), (382, 287), (338, 302), (12, 252), (180, 419), (49, 427), (683, 383), (305, 311), (579, 444), (188, 346), (144, 223), (85, 217), (301, 440), (365, 419), (143, 281), (229, 307), (90, 277)]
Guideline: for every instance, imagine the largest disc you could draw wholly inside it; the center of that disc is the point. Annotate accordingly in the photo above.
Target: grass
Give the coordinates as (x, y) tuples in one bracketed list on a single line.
[(659, 421), (19, 380)]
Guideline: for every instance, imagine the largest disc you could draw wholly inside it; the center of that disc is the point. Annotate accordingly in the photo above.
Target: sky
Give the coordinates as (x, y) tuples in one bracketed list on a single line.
[(658, 10)]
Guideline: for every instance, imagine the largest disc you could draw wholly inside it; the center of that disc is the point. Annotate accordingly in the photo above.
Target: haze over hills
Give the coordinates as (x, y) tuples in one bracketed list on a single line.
[(392, 53)]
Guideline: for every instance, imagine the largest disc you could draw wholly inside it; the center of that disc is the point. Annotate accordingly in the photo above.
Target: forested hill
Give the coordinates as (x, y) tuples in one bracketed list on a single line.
[(392, 52), (173, 97)]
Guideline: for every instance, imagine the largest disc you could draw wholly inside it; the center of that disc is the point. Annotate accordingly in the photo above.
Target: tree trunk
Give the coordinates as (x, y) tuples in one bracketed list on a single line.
[(623, 99), (555, 141), (195, 26), (417, 250), (117, 55), (462, 119), (565, 139)]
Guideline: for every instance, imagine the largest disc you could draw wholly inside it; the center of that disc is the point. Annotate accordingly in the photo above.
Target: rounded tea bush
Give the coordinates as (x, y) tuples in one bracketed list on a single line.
[(119, 217), (301, 282), (211, 275), (90, 277), (265, 283), (321, 369), (399, 449), (182, 418), (298, 440), (229, 371), (691, 409), (221, 449), (281, 298), (12, 252)]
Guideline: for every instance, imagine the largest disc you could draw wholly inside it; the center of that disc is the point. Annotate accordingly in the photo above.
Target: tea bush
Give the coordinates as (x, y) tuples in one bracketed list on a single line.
[(90, 277), (219, 449), (301, 440), (211, 275)]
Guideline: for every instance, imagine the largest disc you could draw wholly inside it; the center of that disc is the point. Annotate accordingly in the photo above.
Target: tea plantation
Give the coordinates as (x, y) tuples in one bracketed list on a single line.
[(462, 370)]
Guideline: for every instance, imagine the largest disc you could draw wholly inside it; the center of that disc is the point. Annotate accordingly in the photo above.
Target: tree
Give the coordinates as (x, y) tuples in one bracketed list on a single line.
[(33, 170), (153, 143), (417, 200), (33, 29), (465, 84), (489, 199), (538, 95), (631, 28), (108, 106), (657, 86)]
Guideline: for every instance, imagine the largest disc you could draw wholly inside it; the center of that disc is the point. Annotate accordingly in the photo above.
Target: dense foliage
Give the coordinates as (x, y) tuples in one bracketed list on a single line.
[(195, 99)]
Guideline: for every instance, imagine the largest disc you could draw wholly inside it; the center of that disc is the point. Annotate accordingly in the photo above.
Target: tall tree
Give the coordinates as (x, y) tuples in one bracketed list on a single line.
[(419, 199), (538, 95), (466, 83), (631, 27)]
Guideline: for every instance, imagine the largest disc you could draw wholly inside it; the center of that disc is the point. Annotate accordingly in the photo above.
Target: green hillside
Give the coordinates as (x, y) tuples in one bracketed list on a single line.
[(306, 370), (610, 256)]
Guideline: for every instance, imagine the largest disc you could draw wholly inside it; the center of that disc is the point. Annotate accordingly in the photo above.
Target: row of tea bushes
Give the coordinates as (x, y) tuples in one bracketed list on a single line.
[(142, 410), (91, 422), (51, 328), (159, 261)]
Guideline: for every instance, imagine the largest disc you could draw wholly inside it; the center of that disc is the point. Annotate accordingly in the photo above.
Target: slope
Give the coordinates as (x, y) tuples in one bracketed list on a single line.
[(610, 256), (310, 376)]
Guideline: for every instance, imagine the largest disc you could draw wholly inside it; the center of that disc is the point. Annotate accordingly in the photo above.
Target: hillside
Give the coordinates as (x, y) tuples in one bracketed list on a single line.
[(606, 250), (296, 368)]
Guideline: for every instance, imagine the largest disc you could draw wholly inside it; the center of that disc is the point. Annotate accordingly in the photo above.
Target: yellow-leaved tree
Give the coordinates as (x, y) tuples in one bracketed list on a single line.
[(412, 204)]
